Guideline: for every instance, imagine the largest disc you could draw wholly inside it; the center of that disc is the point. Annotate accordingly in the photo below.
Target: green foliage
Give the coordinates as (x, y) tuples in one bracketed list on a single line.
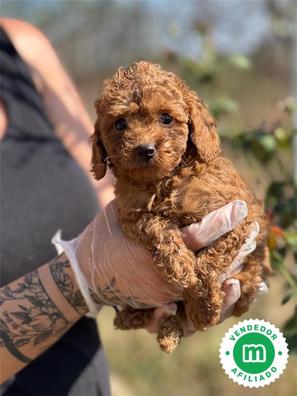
[(240, 61), (223, 105), (269, 148), (290, 331)]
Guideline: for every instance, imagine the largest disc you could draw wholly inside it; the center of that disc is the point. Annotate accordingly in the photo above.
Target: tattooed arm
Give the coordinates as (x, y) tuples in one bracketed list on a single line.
[(36, 310)]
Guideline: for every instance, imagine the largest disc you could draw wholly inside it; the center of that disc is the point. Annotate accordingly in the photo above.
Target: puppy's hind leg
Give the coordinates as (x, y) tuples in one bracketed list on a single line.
[(204, 301), (170, 326), (130, 318), (170, 332)]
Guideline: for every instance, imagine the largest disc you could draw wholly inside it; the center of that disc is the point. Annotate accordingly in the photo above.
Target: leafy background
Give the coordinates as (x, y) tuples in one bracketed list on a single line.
[(239, 56)]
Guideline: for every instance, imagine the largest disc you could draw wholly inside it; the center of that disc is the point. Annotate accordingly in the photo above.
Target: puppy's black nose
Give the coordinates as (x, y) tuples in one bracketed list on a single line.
[(146, 151)]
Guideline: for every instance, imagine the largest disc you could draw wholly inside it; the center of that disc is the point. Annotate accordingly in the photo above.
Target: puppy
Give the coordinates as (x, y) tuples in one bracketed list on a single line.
[(161, 143)]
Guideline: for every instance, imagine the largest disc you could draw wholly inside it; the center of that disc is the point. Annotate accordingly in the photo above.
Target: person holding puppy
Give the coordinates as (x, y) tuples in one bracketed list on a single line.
[(48, 345)]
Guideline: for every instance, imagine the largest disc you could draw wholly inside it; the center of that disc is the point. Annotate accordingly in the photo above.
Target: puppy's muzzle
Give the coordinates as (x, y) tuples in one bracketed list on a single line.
[(146, 151)]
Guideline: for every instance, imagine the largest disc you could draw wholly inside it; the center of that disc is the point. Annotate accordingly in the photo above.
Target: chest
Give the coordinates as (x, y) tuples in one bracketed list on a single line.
[(185, 198)]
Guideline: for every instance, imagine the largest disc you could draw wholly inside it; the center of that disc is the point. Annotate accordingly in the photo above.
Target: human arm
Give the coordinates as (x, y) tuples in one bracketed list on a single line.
[(38, 308), (62, 104)]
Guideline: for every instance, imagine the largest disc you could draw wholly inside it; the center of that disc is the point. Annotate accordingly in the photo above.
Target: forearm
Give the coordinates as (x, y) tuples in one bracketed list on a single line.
[(36, 310)]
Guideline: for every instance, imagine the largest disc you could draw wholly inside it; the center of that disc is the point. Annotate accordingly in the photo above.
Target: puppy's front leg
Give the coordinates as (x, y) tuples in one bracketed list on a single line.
[(173, 259)]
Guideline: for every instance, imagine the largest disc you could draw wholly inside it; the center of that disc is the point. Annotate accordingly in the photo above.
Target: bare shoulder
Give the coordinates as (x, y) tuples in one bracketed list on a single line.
[(28, 39)]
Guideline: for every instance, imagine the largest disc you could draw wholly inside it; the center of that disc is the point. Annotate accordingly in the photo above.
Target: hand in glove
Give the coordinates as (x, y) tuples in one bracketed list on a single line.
[(112, 270)]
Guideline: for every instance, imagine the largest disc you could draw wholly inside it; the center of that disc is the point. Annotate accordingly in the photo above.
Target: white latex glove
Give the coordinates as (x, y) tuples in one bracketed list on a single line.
[(112, 270)]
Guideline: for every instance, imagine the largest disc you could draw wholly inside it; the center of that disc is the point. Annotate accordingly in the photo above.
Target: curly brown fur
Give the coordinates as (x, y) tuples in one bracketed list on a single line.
[(170, 332), (185, 179), (138, 318)]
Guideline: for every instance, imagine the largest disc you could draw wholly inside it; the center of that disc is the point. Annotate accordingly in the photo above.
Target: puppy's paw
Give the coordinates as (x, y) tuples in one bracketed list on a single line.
[(170, 333)]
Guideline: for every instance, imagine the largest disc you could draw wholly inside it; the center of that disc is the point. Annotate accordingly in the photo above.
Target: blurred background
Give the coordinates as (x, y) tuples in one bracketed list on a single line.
[(241, 57)]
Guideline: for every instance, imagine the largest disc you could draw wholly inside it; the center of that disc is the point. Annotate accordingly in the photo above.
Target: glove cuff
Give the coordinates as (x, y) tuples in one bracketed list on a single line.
[(68, 248)]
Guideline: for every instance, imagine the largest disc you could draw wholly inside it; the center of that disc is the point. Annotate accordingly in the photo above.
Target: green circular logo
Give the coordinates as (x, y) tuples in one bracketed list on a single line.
[(253, 353)]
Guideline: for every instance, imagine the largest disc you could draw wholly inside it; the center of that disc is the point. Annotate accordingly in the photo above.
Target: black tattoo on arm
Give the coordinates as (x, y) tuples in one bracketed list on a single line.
[(30, 321), (70, 291), (111, 295), (38, 308)]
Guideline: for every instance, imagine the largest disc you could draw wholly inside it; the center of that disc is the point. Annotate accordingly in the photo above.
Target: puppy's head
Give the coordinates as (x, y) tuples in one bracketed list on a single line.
[(146, 120)]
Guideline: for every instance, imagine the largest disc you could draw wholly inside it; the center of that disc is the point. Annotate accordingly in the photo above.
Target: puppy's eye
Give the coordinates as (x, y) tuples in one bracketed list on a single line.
[(120, 124), (166, 118)]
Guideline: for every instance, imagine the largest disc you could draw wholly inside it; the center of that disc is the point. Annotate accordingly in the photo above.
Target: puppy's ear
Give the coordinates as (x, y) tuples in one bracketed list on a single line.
[(202, 127), (98, 161)]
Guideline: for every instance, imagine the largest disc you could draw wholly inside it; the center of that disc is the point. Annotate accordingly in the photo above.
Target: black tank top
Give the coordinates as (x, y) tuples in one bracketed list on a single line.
[(43, 190)]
